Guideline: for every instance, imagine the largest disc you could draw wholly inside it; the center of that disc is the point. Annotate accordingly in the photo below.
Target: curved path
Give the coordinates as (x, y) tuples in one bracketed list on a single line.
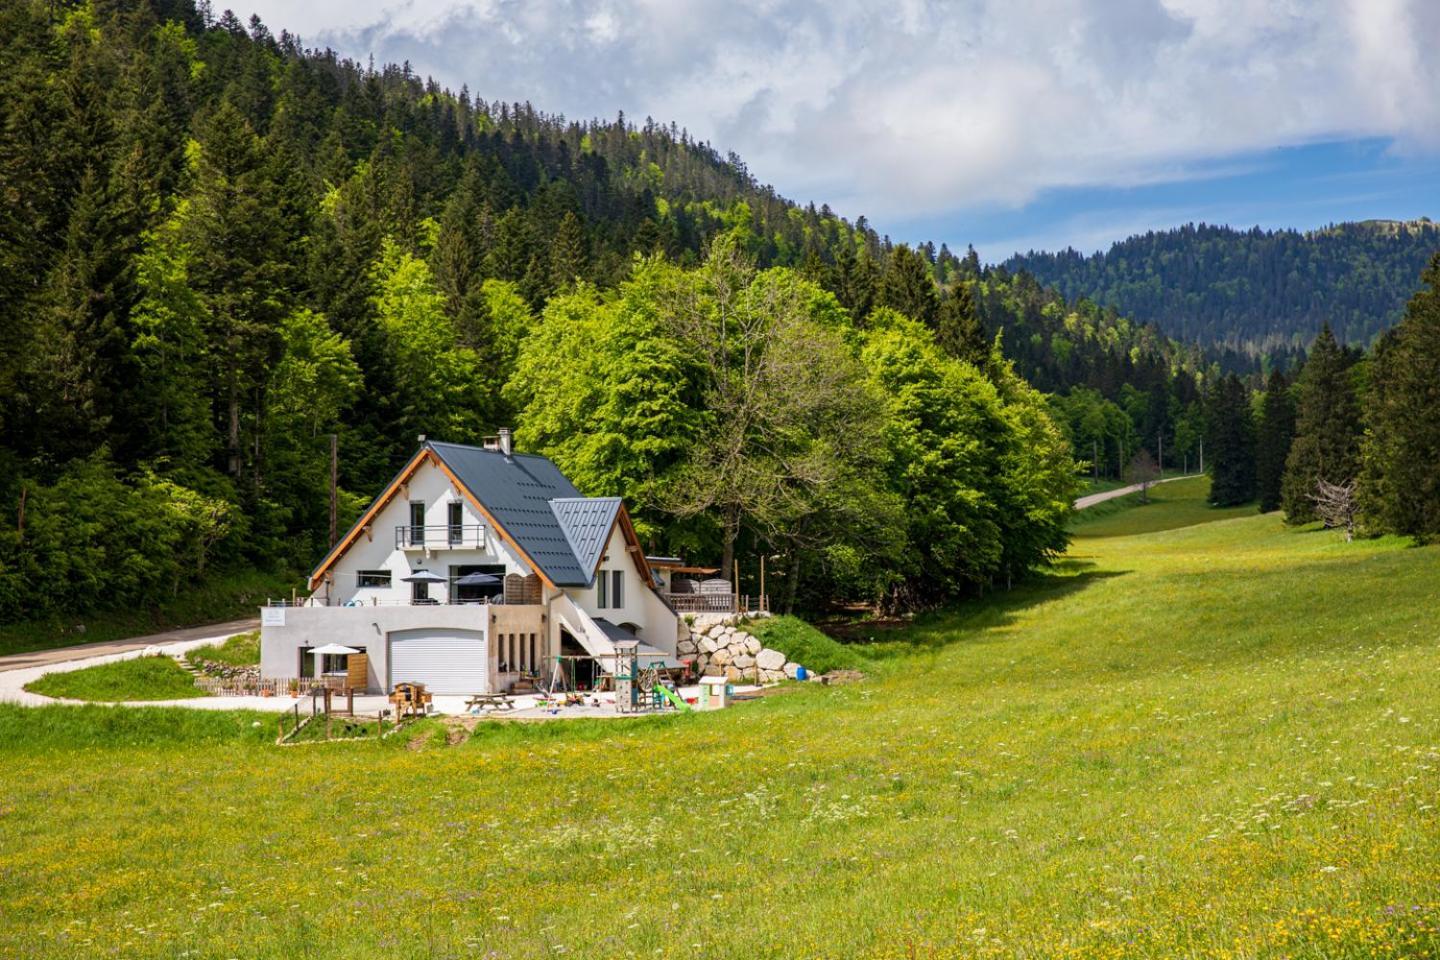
[(1094, 498)]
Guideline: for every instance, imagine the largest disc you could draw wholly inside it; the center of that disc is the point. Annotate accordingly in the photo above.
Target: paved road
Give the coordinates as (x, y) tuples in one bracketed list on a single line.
[(1095, 498), (86, 651)]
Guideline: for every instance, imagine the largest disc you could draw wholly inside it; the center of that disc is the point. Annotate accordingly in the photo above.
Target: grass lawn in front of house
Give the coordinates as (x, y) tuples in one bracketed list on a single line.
[(139, 678)]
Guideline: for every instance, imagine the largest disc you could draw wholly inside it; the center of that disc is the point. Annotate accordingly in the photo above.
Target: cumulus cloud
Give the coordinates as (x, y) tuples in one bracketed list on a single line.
[(919, 108)]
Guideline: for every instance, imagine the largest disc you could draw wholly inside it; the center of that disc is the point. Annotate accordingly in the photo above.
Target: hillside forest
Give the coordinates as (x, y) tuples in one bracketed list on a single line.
[(1259, 292), (222, 250)]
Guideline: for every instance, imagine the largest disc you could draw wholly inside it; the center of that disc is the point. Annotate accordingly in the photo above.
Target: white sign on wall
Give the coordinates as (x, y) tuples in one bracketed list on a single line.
[(272, 616)]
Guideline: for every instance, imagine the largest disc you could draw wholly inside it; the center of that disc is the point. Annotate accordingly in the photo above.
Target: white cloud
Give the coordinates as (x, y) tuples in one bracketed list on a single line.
[(922, 108)]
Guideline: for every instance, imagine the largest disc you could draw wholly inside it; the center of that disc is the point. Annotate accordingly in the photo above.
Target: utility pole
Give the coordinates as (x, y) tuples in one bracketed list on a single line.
[(1202, 454), (1095, 458), (1160, 439), (334, 486)]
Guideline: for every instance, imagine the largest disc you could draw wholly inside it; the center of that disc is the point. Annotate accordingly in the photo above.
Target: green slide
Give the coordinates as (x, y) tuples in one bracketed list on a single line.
[(672, 696)]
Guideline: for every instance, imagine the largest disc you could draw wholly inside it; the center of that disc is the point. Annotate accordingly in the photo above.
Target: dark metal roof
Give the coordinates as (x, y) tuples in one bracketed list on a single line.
[(650, 656), (586, 522), (516, 490)]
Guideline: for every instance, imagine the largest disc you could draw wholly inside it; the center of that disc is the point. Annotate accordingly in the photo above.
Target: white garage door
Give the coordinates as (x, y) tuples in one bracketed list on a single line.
[(446, 661)]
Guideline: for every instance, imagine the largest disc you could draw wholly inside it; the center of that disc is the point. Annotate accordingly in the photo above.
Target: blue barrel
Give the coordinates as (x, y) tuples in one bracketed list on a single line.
[(801, 673)]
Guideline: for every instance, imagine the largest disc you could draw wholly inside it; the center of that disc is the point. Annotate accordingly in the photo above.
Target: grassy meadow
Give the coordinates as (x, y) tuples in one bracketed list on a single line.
[(241, 650), (140, 678), (1203, 735)]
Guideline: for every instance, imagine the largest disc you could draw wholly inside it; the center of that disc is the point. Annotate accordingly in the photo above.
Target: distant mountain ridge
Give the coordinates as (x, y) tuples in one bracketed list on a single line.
[(1256, 291)]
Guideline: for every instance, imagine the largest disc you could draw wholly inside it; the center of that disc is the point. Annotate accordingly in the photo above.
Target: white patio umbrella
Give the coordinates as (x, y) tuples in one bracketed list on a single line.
[(319, 653)]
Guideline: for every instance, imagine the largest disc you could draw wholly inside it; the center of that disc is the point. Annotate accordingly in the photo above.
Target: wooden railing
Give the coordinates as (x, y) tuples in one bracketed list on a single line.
[(718, 602)]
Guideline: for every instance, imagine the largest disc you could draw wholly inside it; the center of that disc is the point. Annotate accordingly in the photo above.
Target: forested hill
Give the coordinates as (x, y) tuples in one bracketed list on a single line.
[(1253, 290), (218, 249)]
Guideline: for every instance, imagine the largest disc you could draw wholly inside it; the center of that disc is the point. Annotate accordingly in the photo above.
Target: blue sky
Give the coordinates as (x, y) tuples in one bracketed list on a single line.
[(1009, 124), (1302, 187)]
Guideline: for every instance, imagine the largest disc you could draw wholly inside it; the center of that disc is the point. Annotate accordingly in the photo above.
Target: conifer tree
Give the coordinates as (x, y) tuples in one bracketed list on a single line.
[(959, 330), (1276, 431), (567, 253), (1399, 489), (1230, 444), (908, 287), (1327, 428)]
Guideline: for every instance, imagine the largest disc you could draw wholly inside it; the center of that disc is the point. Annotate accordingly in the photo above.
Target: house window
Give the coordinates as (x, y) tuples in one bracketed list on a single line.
[(617, 589), (602, 585), (372, 578), (307, 663), (417, 524), (457, 522)]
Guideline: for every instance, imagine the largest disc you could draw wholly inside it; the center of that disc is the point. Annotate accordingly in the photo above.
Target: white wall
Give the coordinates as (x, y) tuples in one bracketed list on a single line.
[(640, 606), (378, 551), (366, 628)]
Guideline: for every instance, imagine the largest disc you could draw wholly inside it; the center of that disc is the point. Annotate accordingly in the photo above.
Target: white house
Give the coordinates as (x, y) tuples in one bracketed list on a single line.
[(473, 568)]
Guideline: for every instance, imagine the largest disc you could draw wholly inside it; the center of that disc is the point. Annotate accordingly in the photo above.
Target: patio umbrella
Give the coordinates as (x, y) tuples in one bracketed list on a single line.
[(479, 580), (334, 649), (330, 649), (423, 576)]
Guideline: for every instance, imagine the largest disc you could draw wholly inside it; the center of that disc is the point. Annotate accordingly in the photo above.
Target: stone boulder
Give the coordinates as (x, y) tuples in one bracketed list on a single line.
[(768, 659), (708, 645), (792, 670), (743, 660), (721, 656), (752, 645)]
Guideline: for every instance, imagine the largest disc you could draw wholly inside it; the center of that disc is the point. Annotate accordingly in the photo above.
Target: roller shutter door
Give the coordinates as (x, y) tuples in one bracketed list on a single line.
[(446, 661)]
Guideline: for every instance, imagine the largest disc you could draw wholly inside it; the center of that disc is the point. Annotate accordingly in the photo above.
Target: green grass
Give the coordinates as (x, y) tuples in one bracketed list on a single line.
[(1176, 503), (241, 650), (41, 731), (1204, 735), (225, 597), (140, 678), (805, 645)]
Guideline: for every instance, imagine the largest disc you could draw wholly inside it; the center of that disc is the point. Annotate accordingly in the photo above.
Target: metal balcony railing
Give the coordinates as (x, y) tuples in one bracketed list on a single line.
[(466, 536)]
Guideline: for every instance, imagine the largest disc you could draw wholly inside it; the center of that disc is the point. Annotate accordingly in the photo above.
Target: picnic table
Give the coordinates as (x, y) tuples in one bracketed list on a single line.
[(489, 701)]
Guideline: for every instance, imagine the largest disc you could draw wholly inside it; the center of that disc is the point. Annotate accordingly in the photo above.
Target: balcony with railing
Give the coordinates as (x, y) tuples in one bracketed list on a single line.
[(445, 536), (717, 602)]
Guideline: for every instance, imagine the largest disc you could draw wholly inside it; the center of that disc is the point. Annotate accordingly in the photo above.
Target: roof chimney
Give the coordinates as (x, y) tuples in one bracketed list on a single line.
[(505, 441)]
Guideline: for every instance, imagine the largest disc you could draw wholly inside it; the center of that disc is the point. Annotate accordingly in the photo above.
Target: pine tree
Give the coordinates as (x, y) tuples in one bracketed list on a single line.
[(1399, 489), (1327, 428), (908, 287), (567, 253), (232, 226), (1276, 431), (1230, 444), (959, 331)]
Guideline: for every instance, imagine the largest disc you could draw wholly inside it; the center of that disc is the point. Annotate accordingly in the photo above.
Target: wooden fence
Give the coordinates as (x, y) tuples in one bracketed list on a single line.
[(251, 687)]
